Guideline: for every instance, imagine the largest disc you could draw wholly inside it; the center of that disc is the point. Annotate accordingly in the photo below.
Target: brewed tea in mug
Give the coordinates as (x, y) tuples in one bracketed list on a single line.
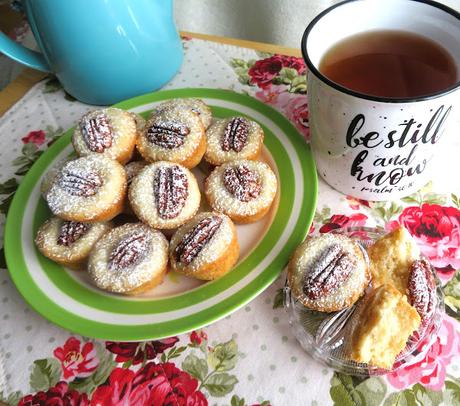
[(389, 63)]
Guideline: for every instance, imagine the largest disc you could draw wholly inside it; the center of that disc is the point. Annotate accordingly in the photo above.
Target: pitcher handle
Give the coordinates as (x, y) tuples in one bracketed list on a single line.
[(22, 54)]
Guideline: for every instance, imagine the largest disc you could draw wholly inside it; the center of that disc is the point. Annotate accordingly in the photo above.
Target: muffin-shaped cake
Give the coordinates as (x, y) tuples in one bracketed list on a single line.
[(130, 259), (108, 132), (164, 195), (233, 138), (198, 106), (243, 190), (132, 170), (391, 257), (328, 272), (91, 189), (175, 135), (69, 242), (205, 248), (381, 327)]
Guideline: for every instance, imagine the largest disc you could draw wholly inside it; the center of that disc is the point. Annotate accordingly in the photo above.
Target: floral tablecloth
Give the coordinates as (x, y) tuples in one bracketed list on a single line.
[(249, 357)]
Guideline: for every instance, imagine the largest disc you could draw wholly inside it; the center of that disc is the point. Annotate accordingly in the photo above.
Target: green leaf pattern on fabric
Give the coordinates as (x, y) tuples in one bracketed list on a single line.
[(342, 390), (455, 200), (197, 367), (385, 211), (224, 356), (210, 366), (323, 215), (241, 67), (221, 384), (348, 390), (12, 399), (7, 188), (452, 392), (425, 195), (452, 296), (45, 373), (403, 398), (418, 395), (372, 391), (236, 401), (173, 353), (30, 152)]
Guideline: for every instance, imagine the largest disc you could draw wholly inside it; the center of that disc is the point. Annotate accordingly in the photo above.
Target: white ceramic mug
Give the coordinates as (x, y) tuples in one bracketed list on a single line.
[(379, 148)]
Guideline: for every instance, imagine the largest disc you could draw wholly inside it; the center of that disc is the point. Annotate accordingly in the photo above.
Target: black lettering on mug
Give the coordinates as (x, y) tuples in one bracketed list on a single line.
[(366, 140), (397, 166)]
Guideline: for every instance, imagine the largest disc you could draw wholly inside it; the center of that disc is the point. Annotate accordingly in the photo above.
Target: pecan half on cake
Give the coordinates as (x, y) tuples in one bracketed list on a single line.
[(233, 138), (328, 272), (164, 195), (174, 134), (109, 132), (206, 247), (244, 190), (129, 259)]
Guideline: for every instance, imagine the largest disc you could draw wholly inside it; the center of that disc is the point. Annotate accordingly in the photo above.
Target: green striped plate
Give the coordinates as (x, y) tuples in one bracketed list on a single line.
[(180, 304)]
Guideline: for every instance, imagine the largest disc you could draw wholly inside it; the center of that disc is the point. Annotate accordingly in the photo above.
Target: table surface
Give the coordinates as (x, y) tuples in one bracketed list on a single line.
[(264, 364), (29, 77)]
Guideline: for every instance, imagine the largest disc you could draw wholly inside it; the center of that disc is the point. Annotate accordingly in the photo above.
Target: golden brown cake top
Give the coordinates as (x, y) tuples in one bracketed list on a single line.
[(391, 257)]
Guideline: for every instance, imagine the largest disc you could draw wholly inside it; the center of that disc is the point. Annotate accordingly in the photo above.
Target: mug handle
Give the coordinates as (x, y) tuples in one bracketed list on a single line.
[(22, 54)]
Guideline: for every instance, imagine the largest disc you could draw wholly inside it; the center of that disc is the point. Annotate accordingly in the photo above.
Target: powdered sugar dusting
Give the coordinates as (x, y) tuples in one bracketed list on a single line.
[(328, 270), (71, 231), (96, 131), (86, 187), (170, 190), (304, 260), (216, 155), (51, 175), (214, 248), (139, 120), (223, 200), (144, 202), (241, 182), (195, 105), (167, 134), (235, 134), (129, 251), (172, 135), (128, 257), (422, 288), (133, 168), (80, 182), (110, 132), (196, 239)]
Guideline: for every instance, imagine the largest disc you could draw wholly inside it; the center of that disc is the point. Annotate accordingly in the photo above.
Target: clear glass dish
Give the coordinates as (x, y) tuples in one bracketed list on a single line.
[(324, 335)]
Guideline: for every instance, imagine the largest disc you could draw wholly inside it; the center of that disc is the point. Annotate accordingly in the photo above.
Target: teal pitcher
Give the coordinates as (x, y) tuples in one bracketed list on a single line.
[(102, 51)]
